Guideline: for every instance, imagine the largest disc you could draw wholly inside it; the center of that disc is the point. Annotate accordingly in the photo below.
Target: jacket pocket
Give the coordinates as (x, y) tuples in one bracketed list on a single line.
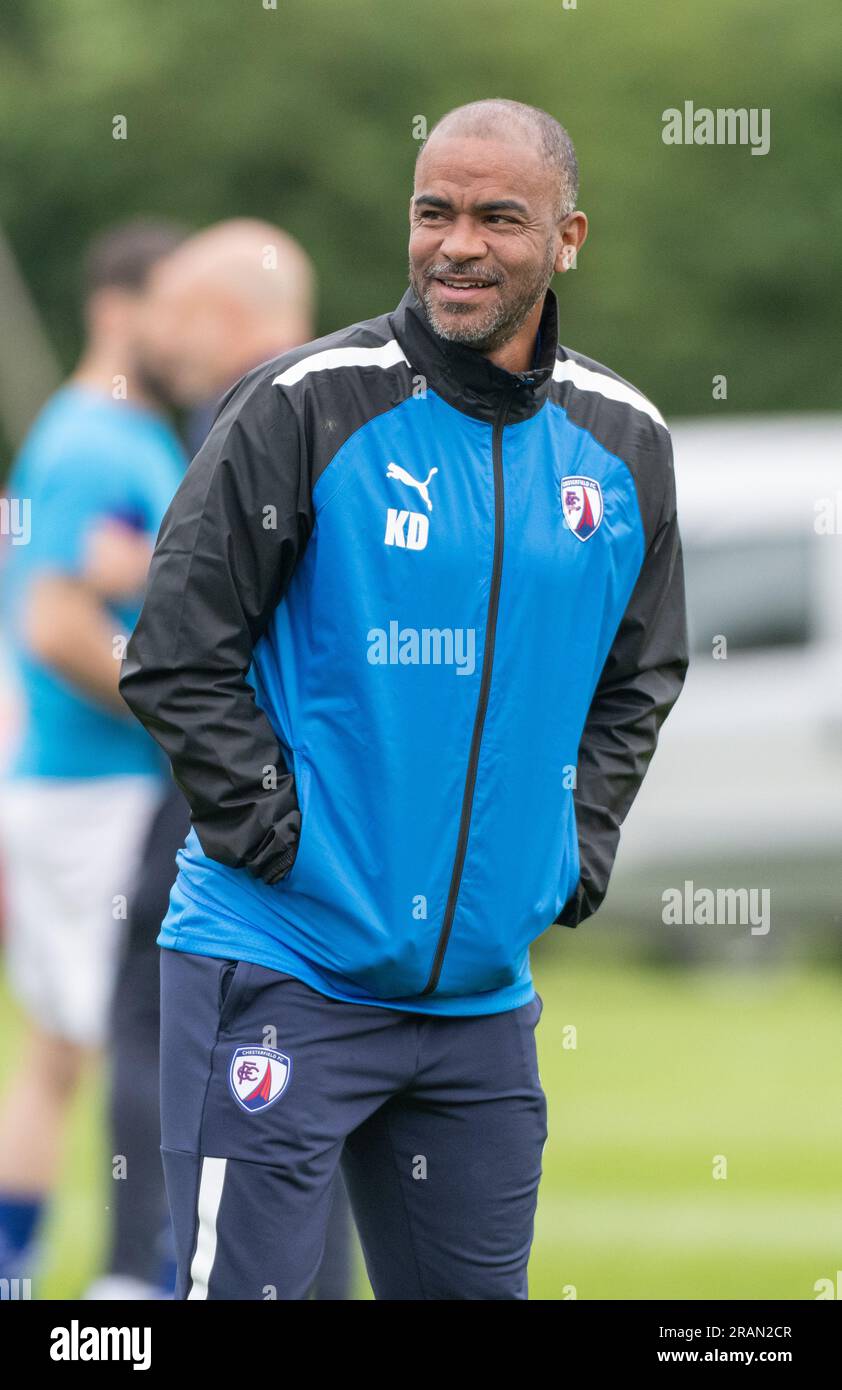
[(301, 775)]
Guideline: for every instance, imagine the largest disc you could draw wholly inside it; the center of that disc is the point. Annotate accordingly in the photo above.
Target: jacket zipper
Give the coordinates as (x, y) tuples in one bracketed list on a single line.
[(482, 700)]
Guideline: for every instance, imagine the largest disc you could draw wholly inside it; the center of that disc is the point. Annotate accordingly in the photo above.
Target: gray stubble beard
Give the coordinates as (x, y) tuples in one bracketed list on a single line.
[(501, 324)]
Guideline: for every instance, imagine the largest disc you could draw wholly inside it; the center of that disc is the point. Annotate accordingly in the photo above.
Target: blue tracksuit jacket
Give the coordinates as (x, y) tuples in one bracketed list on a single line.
[(412, 626)]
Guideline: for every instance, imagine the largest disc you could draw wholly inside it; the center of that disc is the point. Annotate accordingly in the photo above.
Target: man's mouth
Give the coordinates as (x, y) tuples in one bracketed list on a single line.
[(455, 288)]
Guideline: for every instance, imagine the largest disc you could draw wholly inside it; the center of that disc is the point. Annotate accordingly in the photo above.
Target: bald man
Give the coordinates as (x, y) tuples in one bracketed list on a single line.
[(232, 296), (227, 298), (414, 620)]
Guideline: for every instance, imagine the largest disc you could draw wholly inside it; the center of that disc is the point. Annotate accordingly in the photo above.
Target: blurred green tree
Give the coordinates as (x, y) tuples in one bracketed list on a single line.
[(701, 261)]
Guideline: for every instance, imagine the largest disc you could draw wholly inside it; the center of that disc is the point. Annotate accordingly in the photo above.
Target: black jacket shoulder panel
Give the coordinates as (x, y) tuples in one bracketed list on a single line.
[(623, 421), (337, 383), (227, 548)]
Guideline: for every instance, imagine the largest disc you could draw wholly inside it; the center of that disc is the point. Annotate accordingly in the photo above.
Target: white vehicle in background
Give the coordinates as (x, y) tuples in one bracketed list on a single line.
[(746, 787)]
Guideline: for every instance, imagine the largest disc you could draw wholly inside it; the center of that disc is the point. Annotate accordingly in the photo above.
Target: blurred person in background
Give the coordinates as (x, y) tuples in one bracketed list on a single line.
[(219, 306), (98, 469), (224, 301)]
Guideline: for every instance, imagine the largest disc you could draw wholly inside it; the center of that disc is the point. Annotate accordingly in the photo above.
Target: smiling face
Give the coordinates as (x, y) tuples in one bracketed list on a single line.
[(485, 239)]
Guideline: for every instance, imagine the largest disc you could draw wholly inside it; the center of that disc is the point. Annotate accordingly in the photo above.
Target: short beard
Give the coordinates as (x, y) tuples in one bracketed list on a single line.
[(499, 324)]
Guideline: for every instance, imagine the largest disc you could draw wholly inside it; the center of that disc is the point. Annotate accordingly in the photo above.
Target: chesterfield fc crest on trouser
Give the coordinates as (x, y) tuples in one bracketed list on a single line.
[(258, 1076), (581, 502)]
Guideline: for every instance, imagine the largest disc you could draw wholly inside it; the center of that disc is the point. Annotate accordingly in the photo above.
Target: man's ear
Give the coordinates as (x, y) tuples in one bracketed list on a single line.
[(573, 231)]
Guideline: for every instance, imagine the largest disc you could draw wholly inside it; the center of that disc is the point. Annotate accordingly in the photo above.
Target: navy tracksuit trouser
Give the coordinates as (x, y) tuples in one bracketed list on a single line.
[(266, 1085)]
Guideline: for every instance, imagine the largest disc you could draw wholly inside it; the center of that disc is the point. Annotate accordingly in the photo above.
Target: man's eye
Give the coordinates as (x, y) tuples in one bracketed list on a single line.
[(496, 217)]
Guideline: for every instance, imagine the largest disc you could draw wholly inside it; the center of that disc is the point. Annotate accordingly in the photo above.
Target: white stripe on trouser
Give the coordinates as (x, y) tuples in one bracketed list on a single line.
[(210, 1196)]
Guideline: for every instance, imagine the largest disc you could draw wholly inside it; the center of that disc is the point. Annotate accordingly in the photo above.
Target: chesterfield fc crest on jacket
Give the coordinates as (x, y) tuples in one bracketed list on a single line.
[(581, 502)]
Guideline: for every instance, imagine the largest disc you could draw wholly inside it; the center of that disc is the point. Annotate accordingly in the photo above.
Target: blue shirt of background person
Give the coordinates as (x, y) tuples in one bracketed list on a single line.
[(88, 459)]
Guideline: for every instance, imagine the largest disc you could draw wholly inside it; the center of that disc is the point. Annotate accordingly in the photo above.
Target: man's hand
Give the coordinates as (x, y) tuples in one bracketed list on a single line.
[(68, 628)]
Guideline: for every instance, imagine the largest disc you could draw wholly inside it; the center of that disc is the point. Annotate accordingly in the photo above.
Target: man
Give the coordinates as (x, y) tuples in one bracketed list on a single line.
[(98, 471), (421, 569), (232, 296), (224, 300)]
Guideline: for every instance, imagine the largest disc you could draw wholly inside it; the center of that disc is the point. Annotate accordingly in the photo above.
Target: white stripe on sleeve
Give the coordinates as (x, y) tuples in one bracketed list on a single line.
[(387, 355), (587, 380)]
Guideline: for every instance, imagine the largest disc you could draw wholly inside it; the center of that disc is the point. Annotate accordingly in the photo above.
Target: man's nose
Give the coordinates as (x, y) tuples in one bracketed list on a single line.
[(464, 241)]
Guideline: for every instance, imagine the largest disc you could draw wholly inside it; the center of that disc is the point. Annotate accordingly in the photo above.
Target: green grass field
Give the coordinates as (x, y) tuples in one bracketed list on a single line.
[(671, 1068)]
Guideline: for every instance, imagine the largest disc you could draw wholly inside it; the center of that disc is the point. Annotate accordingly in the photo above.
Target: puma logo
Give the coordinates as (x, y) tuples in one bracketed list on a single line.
[(395, 471)]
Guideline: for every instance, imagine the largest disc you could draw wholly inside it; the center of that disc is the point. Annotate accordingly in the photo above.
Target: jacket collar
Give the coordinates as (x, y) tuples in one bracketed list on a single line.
[(464, 377)]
